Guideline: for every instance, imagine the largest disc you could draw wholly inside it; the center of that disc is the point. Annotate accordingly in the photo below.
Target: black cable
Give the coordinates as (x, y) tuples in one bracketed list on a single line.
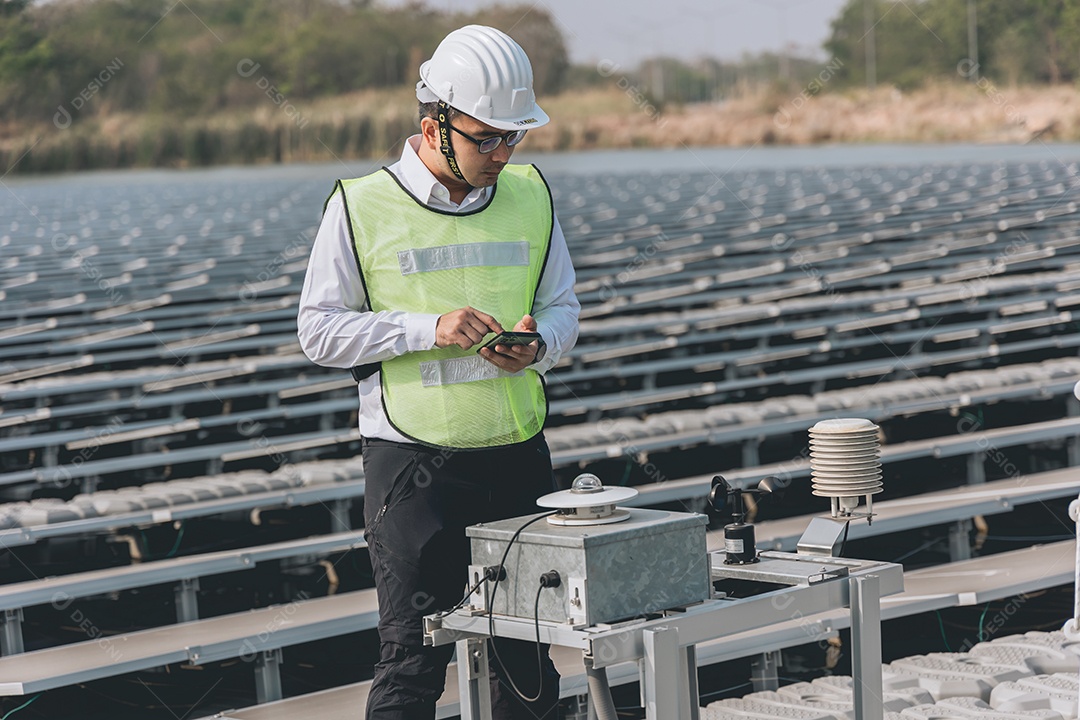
[(498, 576), (461, 603), (491, 615), (928, 543), (539, 658), (725, 690)]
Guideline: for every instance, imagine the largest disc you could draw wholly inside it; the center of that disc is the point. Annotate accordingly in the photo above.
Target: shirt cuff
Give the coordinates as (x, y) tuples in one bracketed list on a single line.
[(550, 356), (420, 331)]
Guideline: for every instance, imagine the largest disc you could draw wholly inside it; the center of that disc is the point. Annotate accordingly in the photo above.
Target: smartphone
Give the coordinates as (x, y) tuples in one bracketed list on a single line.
[(510, 338)]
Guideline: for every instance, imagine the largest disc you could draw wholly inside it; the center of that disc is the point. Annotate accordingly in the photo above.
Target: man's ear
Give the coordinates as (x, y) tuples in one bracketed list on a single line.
[(429, 129)]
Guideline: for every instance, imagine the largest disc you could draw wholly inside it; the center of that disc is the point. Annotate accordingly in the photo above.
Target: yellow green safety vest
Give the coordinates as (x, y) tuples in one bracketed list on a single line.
[(418, 259)]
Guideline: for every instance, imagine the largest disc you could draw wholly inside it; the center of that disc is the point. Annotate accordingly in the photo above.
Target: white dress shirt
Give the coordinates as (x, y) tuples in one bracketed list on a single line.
[(337, 330)]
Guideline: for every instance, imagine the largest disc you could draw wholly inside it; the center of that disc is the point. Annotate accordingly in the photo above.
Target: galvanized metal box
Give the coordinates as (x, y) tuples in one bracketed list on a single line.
[(655, 560)]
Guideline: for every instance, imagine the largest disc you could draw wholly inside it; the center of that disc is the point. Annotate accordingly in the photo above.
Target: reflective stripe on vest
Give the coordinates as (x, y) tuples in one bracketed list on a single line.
[(449, 257), (417, 259), (458, 370)]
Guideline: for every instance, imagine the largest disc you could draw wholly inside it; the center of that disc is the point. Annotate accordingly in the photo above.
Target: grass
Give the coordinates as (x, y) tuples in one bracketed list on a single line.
[(371, 123)]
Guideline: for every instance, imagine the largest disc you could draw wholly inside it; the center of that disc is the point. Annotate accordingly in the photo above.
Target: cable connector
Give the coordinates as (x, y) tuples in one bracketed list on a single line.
[(550, 579), (494, 573)]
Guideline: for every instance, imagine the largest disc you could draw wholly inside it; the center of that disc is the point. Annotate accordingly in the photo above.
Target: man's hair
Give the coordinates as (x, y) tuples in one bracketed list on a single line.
[(431, 110)]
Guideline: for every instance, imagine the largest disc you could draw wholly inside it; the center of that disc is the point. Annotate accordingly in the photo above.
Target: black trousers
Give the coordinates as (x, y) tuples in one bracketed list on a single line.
[(417, 503)]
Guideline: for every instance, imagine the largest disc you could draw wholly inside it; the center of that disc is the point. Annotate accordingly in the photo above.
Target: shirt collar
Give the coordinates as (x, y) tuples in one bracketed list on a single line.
[(420, 181)]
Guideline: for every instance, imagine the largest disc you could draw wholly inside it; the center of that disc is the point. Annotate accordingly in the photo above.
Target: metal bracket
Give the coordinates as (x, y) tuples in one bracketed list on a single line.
[(578, 709), (822, 537), (89, 484), (960, 541), (268, 676), (339, 515), (577, 601), (764, 670), (187, 600), (474, 691), (479, 597), (976, 468), (11, 637), (750, 452)]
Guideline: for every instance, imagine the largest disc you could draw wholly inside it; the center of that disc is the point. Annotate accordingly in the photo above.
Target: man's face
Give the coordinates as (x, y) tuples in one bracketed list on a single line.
[(479, 170)]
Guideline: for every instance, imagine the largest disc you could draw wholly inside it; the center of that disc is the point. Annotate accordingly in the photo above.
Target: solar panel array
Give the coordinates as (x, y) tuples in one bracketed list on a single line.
[(149, 329), (150, 373)]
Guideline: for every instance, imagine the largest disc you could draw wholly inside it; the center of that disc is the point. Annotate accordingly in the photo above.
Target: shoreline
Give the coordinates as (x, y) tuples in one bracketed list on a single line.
[(350, 129), (624, 161)]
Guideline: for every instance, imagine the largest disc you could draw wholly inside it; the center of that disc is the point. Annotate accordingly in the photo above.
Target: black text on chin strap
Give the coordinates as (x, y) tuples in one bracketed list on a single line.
[(444, 141)]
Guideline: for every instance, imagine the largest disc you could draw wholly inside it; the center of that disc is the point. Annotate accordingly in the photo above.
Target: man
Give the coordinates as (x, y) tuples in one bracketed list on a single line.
[(413, 266)]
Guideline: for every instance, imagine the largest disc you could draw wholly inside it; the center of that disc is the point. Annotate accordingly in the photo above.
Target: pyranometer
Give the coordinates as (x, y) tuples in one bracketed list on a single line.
[(587, 502)]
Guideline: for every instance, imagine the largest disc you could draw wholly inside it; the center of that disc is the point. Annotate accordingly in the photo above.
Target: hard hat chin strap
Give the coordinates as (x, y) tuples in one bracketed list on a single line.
[(444, 142)]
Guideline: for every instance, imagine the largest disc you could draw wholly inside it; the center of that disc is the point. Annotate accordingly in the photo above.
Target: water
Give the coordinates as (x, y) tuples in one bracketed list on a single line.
[(685, 159), (774, 158), (270, 206)]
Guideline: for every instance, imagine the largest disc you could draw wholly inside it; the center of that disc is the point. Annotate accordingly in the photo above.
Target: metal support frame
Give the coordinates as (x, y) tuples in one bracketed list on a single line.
[(649, 381), (664, 646), (474, 690), (960, 541), (690, 698), (327, 422), (50, 456), (214, 466), (268, 676), (960, 531), (578, 709), (765, 671), (339, 515), (89, 484), (11, 637), (1072, 625), (976, 468), (750, 455), (187, 600), (663, 680), (865, 603)]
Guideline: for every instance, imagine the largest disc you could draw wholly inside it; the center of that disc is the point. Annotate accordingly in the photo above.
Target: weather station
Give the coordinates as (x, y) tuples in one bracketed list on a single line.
[(635, 585)]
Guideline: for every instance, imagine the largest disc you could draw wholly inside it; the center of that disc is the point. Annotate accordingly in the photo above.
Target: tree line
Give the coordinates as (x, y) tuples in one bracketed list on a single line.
[(69, 60), (910, 41), (197, 56)]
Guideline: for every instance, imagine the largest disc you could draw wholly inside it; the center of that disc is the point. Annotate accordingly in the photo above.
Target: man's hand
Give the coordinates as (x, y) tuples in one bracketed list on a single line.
[(464, 328), (514, 358)]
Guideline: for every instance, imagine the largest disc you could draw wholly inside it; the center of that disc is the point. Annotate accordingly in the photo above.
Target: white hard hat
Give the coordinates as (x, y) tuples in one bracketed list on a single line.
[(482, 72)]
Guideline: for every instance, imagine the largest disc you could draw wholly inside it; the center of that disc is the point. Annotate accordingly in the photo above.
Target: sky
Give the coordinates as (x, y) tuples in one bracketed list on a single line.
[(627, 31)]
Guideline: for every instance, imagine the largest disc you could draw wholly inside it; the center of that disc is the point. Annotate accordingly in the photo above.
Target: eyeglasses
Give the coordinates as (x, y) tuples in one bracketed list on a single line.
[(489, 144)]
